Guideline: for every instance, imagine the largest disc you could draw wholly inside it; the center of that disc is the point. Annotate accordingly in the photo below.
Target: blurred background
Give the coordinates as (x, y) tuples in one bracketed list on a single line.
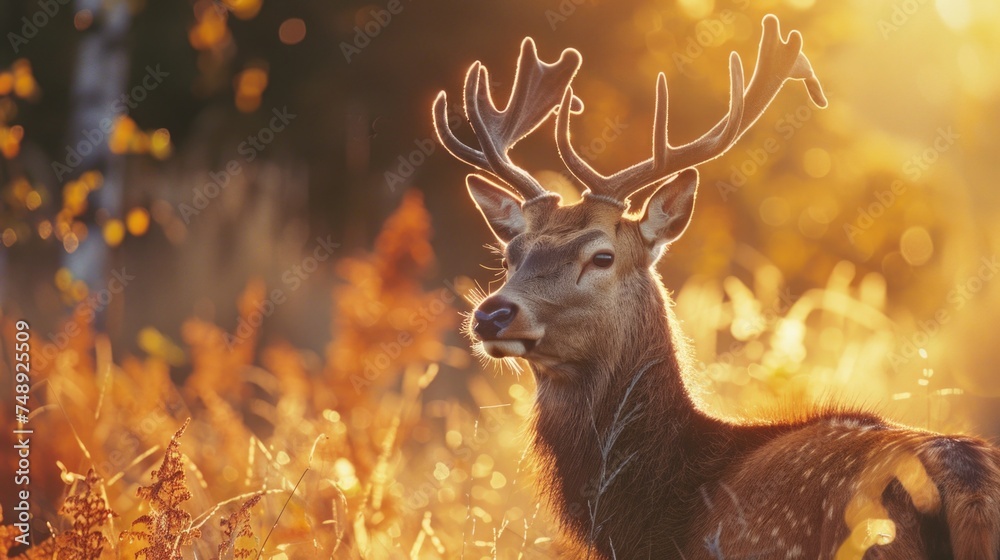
[(234, 211)]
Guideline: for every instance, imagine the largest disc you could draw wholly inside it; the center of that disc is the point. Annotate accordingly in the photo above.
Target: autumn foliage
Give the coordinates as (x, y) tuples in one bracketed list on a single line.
[(258, 441)]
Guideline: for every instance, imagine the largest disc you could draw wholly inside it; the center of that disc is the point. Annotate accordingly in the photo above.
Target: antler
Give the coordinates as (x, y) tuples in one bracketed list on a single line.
[(538, 88), (777, 61)]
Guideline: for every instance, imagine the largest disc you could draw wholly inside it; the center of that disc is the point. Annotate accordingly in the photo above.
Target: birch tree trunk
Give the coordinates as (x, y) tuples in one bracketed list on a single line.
[(99, 81)]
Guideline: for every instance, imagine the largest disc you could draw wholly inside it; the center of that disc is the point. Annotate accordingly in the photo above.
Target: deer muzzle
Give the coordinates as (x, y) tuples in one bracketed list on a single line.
[(493, 316)]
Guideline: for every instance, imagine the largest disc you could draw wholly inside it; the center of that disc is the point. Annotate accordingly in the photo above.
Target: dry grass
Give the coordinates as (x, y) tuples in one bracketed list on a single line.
[(276, 452)]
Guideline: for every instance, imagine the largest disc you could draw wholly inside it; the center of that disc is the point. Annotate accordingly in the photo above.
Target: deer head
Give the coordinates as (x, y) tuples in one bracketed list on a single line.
[(578, 276)]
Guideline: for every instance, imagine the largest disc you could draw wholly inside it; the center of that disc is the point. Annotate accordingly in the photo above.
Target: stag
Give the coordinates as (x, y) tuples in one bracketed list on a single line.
[(630, 462)]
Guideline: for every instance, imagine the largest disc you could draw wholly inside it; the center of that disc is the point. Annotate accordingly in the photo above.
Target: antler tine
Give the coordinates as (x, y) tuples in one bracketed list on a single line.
[(448, 139), (666, 159), (536, 92), (777, 62), (498, 135), (574, 163)]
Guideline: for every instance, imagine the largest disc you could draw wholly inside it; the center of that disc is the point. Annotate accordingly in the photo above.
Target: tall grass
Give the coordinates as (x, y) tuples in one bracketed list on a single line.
[(392, 443)]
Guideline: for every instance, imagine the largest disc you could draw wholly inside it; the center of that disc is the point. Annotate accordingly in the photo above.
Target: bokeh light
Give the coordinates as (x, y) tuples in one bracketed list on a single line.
[(292, 31)]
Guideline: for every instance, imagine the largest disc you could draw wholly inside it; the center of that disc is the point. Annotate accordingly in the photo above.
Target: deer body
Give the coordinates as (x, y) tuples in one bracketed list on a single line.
[(630, 463), (633, 466)]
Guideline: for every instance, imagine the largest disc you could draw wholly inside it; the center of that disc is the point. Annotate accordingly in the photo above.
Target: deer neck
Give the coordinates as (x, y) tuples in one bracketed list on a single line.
[(617, 445)]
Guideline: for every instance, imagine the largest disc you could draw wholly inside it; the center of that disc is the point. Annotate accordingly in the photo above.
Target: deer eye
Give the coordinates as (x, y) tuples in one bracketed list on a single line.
[(603, 259)]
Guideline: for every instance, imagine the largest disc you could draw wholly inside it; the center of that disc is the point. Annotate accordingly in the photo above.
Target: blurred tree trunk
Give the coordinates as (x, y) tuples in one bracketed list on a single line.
[(102, 69)]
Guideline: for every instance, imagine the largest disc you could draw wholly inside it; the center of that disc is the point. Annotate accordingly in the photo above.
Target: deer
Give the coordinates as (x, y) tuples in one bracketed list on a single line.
[(626, 456)]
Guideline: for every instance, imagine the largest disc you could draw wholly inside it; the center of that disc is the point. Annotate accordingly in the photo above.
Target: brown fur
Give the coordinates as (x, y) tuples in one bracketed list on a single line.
[(635, 469)]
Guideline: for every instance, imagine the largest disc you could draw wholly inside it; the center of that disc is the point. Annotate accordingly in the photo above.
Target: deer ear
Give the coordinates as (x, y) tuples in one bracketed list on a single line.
[(668, 211), (500, 207)]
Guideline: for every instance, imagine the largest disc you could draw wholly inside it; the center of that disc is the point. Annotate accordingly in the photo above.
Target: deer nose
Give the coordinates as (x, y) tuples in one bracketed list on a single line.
[(494, 315)]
